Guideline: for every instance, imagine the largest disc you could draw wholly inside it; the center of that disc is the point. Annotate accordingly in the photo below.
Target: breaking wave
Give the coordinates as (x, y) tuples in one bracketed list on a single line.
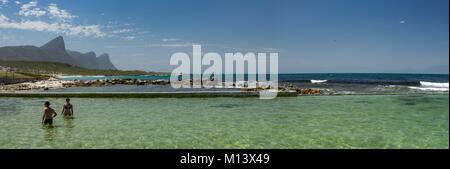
[(318, 81), (431, 86)]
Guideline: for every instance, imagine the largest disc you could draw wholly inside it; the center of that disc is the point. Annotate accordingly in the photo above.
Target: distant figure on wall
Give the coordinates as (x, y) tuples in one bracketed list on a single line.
[(67, 110), (49, 114)]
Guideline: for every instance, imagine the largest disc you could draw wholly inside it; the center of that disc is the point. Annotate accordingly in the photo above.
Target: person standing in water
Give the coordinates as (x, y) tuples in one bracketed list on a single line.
[(67, 110), (49, 114)]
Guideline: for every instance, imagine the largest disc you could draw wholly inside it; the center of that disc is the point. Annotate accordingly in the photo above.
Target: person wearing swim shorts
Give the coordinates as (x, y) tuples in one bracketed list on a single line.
[(49, 114)]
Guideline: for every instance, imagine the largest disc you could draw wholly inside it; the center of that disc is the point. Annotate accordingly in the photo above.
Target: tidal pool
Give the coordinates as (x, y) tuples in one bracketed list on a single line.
[(353, 121)]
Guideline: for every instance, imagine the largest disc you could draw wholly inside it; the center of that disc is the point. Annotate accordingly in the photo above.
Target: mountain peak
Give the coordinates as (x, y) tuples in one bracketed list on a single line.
[(104, 62), (55, 44), (104, 56), (55, 51)]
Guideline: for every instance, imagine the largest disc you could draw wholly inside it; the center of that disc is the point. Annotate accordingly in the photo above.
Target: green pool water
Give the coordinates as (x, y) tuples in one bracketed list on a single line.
[(400, 121)]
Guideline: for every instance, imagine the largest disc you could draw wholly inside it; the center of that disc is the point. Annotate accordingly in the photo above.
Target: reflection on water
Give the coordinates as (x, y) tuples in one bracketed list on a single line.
[(68, 127), (49, 133), (52, 132)]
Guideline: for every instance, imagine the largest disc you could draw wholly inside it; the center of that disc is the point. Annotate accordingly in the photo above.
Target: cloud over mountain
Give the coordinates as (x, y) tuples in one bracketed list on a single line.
[(50, 18)]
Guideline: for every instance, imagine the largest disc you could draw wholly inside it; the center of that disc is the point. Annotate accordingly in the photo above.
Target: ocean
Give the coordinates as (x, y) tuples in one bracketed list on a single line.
[(329, 83)]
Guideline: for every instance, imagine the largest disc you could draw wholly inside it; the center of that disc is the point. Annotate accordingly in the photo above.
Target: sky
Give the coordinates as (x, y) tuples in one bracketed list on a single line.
[(310, 36)]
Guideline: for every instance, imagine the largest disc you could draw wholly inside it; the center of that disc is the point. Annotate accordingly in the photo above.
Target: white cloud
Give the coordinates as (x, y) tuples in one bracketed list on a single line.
[(3, 18), (53, 19), (59, 14), (121, 31), (110, 47), (402, 22), (142, 32), (59, 21), (31, 9), (60, 28), (269, 50), (122, 46), (170, 40), (3, 2), (129, 38), (177, 45), (172, 45), (5, 38)]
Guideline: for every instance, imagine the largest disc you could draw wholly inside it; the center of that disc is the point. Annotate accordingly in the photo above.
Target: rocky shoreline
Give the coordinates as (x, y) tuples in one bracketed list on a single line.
[(98, 83), (54, 83), (288, 88), (47, 84)]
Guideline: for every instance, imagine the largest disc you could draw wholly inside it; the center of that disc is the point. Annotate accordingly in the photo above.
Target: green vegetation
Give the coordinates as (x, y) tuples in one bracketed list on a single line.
[(21, 75), (35, 68)]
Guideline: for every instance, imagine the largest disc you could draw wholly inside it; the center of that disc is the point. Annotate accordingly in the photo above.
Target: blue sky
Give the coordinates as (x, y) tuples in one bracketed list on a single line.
[(409, 36)]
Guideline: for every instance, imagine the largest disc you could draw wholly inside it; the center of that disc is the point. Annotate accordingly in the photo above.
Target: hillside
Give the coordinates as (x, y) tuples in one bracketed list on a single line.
[(15, 75), (55, 51), (38, 67)]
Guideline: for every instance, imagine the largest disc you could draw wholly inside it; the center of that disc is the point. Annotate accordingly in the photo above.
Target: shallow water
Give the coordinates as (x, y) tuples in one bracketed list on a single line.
[(401, 121)]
